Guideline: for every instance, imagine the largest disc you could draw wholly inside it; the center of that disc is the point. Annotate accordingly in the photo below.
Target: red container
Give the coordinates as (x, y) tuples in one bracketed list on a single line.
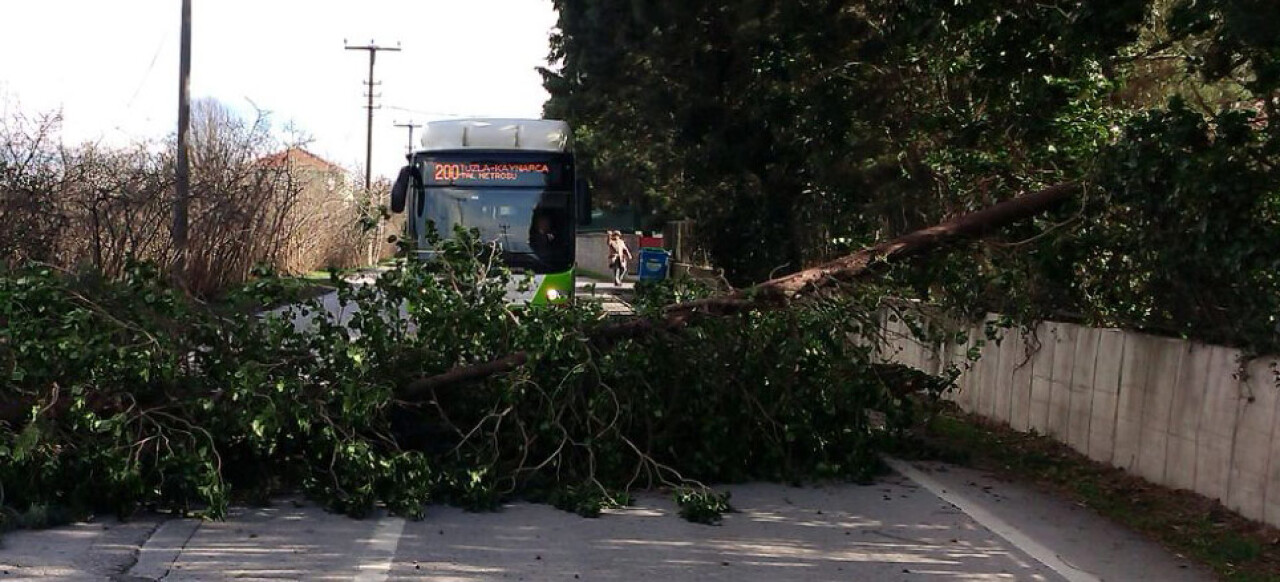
[(651, 242)]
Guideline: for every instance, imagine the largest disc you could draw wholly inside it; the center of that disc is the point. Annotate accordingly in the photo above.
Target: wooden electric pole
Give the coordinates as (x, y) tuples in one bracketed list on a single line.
[(368, 153), (411, 125), (182, 181)]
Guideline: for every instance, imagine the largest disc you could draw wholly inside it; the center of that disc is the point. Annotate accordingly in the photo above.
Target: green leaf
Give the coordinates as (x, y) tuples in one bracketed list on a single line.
[(26, 442)]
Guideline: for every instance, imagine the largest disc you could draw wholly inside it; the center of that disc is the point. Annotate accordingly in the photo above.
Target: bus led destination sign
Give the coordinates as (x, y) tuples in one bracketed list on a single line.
[(461, 173)]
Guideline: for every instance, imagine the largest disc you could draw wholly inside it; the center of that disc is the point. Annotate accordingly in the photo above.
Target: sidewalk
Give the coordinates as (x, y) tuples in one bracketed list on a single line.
[(614, 299)]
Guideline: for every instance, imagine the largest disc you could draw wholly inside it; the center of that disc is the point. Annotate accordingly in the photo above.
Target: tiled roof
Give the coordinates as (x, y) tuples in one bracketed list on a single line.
[(300, 156)]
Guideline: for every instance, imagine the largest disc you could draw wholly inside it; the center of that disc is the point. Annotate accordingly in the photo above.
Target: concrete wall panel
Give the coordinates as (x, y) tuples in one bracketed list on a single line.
[(973, 375), (1064, 357), (1184, 418), (988, 370), (1265, 376), (1080, 400), (1106, 394), (997, 381), (1135, 371), (920, 356), (936, 356), (1042, 344), (958, 351), (1217, 430), (1161, 384), (1252, 450), (1020, 379), (1004, 376)]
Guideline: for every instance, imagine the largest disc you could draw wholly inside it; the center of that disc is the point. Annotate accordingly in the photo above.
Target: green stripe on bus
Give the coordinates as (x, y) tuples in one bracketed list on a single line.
[(561, 283)]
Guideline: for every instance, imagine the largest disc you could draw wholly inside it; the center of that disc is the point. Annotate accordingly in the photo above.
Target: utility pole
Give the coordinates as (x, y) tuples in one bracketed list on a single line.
[(411, 125), (368, 153), (182, 185)]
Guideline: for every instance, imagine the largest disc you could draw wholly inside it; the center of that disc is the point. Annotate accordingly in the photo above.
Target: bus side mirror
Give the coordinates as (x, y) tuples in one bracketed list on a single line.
[(584, 203), (409, 177)]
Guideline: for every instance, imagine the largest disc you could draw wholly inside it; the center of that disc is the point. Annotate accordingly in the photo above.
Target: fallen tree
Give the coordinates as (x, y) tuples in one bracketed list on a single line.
[(127, 395), (779, 292)]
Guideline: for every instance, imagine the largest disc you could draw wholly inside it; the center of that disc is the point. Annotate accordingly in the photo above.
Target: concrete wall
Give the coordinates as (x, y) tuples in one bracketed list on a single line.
[(593, 253), (1177, 413)]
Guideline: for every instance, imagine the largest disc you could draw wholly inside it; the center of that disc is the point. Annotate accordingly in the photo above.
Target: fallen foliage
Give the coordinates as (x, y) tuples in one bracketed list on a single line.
[(120, 395)]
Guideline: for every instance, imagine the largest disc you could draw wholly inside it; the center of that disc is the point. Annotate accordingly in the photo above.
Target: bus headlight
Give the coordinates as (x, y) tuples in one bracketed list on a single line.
[(553, 295)]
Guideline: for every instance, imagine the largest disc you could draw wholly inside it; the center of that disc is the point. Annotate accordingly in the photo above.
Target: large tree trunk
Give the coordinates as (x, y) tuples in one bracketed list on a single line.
[(865, 263), (972, 225)]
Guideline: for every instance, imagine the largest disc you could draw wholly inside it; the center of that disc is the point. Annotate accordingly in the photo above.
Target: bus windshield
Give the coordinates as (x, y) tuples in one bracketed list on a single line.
[(532, 227)]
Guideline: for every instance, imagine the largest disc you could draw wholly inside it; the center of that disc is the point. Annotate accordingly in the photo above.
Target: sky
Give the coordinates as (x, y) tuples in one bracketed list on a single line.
[(111, 66)]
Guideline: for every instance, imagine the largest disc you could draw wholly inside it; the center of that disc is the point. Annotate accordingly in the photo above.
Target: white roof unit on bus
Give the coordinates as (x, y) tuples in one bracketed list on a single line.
[(539, 135)]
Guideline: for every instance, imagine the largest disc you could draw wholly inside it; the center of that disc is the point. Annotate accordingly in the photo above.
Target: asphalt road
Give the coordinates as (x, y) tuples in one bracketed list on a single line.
[(927, 522)]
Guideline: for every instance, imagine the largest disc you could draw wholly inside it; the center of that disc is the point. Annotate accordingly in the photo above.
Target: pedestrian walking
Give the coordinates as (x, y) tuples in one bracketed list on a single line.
[(619, 254)]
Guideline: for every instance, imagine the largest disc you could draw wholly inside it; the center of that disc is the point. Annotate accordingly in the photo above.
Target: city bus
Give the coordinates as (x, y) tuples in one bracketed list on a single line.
[(513, 180)]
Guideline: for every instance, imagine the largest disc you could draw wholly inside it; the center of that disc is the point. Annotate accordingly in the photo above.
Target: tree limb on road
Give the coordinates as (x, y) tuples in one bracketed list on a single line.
[(777, 293), (423, 386)]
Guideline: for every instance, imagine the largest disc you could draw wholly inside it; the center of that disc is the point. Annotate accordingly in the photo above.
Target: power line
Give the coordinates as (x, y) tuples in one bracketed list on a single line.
[(142, 83), (430, 113), (446, 113), (373, 55)]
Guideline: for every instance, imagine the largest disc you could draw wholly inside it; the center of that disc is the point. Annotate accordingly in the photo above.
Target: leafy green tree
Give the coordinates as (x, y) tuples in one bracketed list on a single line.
[(782, 126), (794, 131)]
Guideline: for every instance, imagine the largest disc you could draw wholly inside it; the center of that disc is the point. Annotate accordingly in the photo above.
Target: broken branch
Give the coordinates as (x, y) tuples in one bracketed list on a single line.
[(777, 292), (460, 374)]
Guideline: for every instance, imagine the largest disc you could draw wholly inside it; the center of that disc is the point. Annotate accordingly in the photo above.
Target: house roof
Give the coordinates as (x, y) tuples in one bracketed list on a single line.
[(300, 156)]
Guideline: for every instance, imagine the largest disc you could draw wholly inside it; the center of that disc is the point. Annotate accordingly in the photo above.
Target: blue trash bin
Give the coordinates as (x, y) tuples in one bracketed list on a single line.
[(653, 264)]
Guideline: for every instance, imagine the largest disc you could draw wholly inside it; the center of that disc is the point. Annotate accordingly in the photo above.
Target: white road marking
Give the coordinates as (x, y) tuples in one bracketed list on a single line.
[(163, 547), (376, 566), (1000, 527)]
